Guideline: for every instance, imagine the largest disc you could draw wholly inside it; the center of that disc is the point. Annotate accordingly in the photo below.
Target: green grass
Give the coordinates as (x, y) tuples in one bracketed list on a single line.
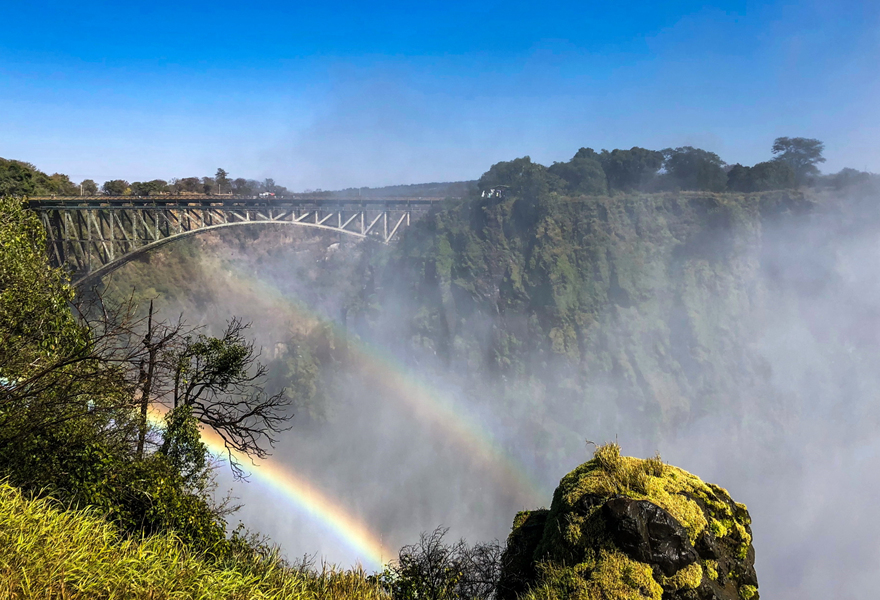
[(50, 553)]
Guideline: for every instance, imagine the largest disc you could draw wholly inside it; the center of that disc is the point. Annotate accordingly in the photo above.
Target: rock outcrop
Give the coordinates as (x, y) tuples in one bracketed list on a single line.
[(622, 528)]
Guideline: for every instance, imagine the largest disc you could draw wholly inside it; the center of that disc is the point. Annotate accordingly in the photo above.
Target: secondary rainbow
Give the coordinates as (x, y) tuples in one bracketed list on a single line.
[(423, 401)]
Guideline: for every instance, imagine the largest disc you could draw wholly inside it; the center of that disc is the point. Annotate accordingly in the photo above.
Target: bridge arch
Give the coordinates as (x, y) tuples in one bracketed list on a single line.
[(87, 279), (94, 237)]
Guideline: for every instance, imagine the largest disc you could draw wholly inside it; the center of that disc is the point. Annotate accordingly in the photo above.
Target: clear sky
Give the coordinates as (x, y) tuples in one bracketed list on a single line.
[(330, 95)]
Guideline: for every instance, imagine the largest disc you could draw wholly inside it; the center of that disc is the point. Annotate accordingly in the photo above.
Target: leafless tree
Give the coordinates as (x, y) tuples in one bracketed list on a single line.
[(125, 363), (434, 570), (221, 380)]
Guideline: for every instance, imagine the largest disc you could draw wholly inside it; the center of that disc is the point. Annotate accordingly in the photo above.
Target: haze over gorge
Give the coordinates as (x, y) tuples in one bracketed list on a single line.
[(725, 317)]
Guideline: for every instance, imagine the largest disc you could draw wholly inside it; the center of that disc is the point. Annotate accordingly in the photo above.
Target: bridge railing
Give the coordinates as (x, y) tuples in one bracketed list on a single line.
[(38, 202)]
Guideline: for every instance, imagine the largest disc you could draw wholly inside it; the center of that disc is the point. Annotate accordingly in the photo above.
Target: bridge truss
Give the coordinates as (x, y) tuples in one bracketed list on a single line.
[(93, 238)]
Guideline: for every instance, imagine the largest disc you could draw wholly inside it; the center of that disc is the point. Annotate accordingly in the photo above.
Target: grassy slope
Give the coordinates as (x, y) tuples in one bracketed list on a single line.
[(46, 552)]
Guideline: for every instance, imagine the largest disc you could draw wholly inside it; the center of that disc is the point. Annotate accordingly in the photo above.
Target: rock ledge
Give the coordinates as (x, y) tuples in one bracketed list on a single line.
[(623, 528)]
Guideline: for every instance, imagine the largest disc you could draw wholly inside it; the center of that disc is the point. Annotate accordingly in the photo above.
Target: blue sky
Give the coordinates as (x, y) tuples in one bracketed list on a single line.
[(330, 95)]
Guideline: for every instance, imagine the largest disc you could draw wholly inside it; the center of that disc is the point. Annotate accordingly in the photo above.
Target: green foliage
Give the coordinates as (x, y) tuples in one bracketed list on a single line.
[(583, 174), (213, 361), (521, 175), (89, 187), (182, 443), (77, 465), (689, 168), (846, 178), (35, 318), (149, 188), (801, 154), (221, 178), (20, 179), (765, 176), (47, 370), (220, 379), (116, 187), (630, 169), (67, 423)]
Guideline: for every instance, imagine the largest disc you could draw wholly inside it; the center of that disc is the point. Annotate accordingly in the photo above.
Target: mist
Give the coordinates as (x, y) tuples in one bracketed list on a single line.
[(792, 432)]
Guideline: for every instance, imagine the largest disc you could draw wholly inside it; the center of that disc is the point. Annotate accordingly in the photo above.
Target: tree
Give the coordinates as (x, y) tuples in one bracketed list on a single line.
[(189, 185), (182, 443), (60, 184), (434, 570), (630, 169), (583, 174), (149, 188), (221, 178), (89, 187), (219, 379), (57, 367), (19, 179), (847, 177), (158, 344), (116, 187), (242, 187), (68, 398), (765, 176), (523, 177), (689, 168), (801, 154)]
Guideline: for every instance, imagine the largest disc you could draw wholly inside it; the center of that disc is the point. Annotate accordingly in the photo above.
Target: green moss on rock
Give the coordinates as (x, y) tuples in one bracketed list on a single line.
[(621, 527)]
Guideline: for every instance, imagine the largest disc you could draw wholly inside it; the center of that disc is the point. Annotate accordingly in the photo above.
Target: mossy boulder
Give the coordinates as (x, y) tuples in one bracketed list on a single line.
[(623, 528)]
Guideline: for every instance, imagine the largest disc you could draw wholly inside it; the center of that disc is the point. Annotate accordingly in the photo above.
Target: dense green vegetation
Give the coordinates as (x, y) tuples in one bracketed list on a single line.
[(74, 391), (19, 178), (68, 419)]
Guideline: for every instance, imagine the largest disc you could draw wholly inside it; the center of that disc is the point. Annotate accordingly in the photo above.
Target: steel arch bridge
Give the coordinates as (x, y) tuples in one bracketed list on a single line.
[(93, 236)]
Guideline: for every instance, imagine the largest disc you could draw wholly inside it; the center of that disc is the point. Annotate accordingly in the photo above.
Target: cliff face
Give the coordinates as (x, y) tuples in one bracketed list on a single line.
[(601, 308), (562, 315), (625, 528)]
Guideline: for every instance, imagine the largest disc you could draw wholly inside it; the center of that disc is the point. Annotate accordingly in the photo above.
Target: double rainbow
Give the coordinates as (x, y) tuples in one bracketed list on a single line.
[(422, 401)]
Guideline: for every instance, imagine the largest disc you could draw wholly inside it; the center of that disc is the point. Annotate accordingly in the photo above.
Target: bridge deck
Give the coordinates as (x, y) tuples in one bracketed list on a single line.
[(94, 235), (145, 202)]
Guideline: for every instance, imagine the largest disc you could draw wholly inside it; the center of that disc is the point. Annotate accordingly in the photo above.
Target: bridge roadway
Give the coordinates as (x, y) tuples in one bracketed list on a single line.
[(91, 236)]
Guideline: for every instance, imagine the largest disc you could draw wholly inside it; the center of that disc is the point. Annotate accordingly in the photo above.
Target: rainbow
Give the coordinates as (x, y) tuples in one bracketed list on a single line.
[(425, 403), (308, 499)]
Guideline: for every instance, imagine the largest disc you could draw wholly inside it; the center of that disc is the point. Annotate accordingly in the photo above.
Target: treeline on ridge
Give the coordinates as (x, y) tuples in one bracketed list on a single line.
[(19, 178), (686, 168), (794, 164)]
